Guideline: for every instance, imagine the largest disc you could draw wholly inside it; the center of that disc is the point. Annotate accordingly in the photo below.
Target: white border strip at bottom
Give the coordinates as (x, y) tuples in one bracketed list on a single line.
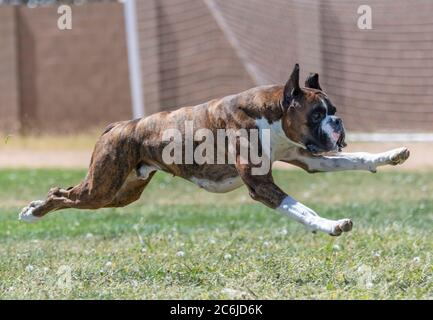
[(390, 137)]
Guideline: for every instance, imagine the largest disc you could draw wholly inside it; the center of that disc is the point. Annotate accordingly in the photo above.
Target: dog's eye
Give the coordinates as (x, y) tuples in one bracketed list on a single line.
[(317, 115)]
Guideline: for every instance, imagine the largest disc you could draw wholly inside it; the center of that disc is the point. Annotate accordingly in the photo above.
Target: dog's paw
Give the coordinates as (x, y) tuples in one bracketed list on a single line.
[(26, 213), (343, 225), (398, 156)]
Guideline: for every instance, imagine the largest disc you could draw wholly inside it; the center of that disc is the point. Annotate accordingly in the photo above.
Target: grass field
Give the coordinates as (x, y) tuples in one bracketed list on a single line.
[(182, 242)]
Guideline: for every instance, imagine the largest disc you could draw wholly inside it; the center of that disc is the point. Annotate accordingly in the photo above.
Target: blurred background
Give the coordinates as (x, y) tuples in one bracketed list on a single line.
[(189, 51)]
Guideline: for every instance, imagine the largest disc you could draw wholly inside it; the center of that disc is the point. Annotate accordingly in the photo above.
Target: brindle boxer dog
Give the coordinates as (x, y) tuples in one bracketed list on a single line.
[(304, 131)]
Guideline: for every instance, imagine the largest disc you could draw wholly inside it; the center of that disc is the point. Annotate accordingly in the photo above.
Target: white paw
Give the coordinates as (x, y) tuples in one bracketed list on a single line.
[(343, 225), (398, 156), (331, 227), (27, 215)]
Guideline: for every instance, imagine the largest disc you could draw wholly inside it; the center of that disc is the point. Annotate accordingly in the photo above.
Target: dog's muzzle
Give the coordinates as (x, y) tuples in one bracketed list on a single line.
[(338, 128), (330, 137), (341, 143)]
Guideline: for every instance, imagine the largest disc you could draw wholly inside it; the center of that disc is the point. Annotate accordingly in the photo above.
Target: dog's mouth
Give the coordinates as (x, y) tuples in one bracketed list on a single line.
[(335, 144), (341, 143), (313, 148)]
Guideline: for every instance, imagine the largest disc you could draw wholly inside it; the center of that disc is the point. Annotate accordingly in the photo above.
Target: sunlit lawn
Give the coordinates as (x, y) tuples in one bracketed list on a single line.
[(182, 242)]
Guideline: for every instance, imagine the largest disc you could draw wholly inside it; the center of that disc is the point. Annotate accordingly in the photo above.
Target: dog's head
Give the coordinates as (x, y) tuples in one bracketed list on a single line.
[(309, 116)]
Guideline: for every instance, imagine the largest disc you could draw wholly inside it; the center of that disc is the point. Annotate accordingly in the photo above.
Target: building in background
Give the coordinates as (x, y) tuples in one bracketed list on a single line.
[(195, 50)]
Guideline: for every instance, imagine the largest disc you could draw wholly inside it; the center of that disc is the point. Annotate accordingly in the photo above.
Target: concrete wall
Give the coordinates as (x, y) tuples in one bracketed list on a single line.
[(63, 81), (9, 80)]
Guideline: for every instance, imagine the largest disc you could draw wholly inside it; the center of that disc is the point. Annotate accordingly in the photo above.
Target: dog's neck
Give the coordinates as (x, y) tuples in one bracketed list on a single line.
[(280, 144)]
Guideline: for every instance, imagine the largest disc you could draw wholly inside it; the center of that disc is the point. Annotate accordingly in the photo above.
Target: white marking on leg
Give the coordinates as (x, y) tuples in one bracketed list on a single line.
[(394, 156), (342, 161), (311, 219), (355, 161), (26, 213)]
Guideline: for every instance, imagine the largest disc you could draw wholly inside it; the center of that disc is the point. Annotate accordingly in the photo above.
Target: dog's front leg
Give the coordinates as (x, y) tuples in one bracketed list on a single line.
[(349, 161), (262, 188)]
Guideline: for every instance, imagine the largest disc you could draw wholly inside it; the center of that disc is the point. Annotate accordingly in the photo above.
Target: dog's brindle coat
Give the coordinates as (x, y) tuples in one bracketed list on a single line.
[(303, 126)]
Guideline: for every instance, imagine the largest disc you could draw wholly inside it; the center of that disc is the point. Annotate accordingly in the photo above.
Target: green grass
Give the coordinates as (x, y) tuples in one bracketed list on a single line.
[(233, 247)]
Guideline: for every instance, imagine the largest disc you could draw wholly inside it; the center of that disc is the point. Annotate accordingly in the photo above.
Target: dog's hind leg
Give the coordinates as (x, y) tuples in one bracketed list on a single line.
[(112, 162), (89, 194), (131, 190)]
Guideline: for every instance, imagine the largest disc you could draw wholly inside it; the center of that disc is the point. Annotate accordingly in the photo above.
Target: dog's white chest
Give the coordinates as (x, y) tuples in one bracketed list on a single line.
[(275, 144)]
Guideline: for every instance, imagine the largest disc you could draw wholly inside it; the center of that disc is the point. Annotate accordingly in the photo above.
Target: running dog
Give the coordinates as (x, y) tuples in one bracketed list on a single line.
[(302, 129)]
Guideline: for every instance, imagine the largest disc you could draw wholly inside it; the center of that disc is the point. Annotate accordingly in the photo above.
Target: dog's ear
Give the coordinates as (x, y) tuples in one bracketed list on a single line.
[(292, 90), (313, 81)]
